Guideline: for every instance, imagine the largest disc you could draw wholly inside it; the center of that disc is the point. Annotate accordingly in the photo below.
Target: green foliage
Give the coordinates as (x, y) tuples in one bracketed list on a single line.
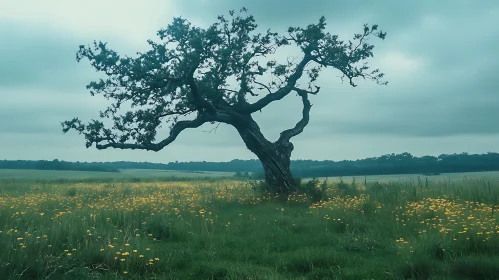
[(72, 192), (259, 186), (315, 189), (346, 189), (160, 227), (241, 174)]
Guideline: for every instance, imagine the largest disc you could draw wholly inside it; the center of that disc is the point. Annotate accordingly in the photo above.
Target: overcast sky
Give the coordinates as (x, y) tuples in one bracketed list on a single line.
[(440, 58)]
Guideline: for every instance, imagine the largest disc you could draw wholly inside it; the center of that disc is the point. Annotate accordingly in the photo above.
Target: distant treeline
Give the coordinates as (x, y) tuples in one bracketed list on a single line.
[(404, 163), (57, 165)]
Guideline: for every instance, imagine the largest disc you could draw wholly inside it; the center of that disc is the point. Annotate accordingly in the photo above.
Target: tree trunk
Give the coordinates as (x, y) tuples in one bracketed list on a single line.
[(277, 172), (275, 158)]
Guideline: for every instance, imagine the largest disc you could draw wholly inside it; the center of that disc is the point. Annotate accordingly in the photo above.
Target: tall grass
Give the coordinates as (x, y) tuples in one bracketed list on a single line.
[(222, 229)]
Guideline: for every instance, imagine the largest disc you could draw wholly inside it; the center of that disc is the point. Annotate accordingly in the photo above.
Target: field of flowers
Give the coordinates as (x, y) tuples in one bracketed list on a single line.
[(223, 229)]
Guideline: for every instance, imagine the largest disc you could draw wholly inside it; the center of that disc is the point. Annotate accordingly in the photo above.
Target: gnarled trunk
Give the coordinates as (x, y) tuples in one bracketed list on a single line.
[(275, 158), (276, 166)]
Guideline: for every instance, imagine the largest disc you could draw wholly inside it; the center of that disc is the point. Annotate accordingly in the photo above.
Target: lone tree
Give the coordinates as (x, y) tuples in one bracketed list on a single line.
[(213, 75)]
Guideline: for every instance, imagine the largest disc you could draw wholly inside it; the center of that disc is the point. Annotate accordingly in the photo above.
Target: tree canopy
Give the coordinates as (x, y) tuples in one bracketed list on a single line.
[(210, 75)]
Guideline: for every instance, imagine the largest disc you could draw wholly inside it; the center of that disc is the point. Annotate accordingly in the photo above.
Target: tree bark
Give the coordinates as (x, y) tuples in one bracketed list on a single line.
[(275, 158)]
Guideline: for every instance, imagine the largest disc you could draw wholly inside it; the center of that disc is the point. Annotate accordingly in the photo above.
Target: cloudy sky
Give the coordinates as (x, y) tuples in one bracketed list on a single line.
[(440, 58)]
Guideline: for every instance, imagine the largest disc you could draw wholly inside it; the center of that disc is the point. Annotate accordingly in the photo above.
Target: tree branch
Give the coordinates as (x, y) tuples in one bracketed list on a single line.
[(286, 135), (199, 101), (247, 75), (264, 86), (174, 132), (282, 92), (213, 129)]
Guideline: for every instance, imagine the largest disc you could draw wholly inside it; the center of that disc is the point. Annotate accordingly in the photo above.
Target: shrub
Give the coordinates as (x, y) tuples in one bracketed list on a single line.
[(315, 190)]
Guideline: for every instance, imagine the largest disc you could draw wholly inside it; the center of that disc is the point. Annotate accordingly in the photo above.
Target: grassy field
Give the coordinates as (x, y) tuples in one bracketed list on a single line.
[(156, 174), (124, 174), (222, 229), (487, 175)]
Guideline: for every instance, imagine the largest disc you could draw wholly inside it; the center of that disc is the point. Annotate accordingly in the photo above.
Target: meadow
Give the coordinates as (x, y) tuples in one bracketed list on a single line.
[(124, 174), (220, 228), (169, 175)]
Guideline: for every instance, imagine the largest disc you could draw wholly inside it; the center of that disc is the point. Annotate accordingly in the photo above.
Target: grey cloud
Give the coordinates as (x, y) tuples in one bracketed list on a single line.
[(31, 56), (207, 135), (455, 110), (35, 57), (418, 126), (41, 83), (35, 122), (392, 15), (71, 147), (32, 111)]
